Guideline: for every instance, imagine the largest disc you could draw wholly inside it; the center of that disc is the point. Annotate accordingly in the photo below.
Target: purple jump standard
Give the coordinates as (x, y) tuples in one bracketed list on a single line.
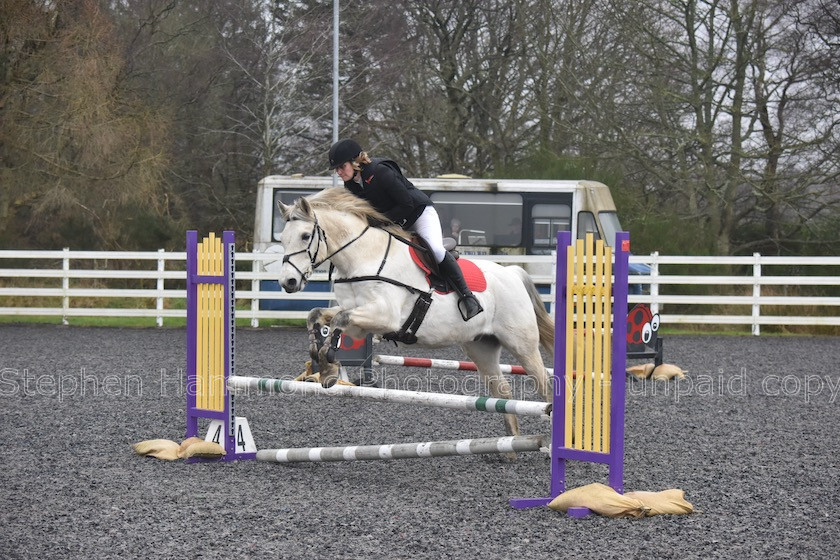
[(562, 446), (210, 336)]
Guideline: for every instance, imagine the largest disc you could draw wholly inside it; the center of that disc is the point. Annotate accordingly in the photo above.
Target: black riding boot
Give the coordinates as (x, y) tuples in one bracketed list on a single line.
[(467, 304)]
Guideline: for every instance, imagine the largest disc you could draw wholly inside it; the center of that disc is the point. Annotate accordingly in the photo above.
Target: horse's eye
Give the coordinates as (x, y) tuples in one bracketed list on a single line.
[(306, 236)]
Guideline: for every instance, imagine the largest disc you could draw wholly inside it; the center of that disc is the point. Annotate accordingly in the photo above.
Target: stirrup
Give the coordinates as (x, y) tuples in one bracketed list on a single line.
[(464, 309)]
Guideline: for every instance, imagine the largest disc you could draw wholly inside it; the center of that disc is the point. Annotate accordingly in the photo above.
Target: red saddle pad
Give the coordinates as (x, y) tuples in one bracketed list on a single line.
[(475, 279)]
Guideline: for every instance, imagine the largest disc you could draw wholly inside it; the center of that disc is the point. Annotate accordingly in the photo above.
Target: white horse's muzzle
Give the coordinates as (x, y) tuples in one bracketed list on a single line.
[(292, 279)]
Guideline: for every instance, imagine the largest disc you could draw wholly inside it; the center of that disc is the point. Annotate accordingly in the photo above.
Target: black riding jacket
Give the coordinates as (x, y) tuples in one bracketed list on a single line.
[(387, 190)]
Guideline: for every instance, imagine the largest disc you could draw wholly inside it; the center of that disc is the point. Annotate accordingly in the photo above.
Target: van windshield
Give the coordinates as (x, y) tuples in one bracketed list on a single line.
[(611, 225)]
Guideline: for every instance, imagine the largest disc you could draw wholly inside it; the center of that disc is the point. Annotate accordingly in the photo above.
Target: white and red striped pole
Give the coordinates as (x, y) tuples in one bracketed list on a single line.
[(384, 360)]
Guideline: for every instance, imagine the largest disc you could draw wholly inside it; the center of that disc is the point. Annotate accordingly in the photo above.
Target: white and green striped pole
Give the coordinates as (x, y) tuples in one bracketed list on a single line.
[(482, 446), (484, 404)]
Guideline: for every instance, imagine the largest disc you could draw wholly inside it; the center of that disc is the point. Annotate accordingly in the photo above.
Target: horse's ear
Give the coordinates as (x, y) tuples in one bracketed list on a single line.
[(285, 210), (304, 206)]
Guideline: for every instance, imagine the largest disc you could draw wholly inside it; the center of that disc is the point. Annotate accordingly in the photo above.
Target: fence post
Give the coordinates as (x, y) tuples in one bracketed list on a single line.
[(756, 308), (654, 282), (255, 288), (159, 304), (65, 286)]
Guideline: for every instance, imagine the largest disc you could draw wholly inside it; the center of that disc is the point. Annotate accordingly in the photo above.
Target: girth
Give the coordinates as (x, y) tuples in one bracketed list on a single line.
[(407, 333)]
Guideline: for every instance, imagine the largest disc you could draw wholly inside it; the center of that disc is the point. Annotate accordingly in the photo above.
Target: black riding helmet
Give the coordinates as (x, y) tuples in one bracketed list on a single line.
[(343, 151)]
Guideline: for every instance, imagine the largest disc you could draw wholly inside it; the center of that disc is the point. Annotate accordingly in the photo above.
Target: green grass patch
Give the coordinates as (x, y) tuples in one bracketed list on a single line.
[(134, 322)]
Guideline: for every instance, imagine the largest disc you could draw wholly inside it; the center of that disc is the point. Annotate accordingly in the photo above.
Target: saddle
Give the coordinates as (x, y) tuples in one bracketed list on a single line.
[(423, 259)]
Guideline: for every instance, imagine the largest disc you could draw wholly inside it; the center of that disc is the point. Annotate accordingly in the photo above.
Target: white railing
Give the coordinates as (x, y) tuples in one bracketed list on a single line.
[(70, 284), (759, 275)]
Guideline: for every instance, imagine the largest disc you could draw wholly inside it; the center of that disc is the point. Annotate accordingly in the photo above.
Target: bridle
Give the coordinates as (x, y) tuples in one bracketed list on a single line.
[(318, 232)]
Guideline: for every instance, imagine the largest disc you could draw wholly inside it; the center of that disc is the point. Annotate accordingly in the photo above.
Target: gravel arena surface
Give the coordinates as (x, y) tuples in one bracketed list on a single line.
[(750, 435)]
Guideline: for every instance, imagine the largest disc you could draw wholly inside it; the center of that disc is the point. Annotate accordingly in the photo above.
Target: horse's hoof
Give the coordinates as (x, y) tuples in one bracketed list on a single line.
[(327, 382), (326, 354)]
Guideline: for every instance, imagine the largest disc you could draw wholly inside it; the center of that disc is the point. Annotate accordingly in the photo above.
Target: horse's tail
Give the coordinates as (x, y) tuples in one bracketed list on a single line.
[(544, 322)]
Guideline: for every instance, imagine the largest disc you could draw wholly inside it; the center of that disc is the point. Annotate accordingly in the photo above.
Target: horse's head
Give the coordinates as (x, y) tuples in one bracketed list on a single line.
[(302, 239), (343, 216)]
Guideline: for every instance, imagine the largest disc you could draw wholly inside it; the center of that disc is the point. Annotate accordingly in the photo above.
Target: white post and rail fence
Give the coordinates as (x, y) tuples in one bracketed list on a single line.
[(751, 291)]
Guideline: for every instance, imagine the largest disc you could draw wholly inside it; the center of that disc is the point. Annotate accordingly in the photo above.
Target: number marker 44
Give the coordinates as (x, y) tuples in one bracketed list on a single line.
[(242, 432)]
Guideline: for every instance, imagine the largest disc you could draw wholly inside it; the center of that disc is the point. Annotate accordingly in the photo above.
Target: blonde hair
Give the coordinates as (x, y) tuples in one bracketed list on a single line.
[(361, 159)]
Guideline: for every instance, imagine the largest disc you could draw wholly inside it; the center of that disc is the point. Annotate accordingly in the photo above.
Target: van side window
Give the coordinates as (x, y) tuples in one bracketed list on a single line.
[(480, 218), (547, 220), (586, 224), (611, 225)]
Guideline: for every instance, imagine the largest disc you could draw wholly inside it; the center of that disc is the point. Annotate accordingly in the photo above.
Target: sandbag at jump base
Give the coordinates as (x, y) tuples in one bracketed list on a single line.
[(599, 498), (603, 500), (169, 450), (158, 448), (204, 450), (662, 372), (665, 502)]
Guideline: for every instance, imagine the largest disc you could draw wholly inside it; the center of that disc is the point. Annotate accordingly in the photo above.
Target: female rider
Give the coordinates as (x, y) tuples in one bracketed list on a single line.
[(383, 185)]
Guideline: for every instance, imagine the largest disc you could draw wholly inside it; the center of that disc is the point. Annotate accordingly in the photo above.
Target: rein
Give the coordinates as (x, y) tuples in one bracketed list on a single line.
[(377, 277)]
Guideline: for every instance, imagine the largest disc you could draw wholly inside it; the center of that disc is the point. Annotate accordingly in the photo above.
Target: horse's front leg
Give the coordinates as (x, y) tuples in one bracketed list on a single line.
[(329, 368), (317, 323), (359, 321)]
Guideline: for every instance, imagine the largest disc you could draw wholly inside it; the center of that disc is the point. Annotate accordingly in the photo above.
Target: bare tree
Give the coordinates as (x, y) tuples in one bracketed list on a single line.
[(796, 166), (720, 89), (280, 122), (441, 82), (178, 58)]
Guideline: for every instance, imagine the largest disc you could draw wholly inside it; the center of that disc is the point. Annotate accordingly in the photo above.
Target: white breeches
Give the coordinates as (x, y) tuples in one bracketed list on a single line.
[(428, 227)]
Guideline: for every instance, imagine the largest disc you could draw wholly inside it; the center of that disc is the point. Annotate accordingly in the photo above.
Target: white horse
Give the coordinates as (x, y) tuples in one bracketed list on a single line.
[(377, 287)]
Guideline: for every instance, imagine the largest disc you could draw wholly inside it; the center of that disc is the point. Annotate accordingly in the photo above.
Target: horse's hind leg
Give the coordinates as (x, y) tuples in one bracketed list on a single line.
[(532, 363), (526, 351), (485, 353)]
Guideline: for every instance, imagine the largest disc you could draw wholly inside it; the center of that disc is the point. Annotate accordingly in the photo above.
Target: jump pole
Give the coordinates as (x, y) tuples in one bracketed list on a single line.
[(481, 446), (464, 402), (434, 363)]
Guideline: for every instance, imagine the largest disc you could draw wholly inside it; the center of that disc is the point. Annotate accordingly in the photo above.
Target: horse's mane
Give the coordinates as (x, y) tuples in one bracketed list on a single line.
[(342, 200)]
